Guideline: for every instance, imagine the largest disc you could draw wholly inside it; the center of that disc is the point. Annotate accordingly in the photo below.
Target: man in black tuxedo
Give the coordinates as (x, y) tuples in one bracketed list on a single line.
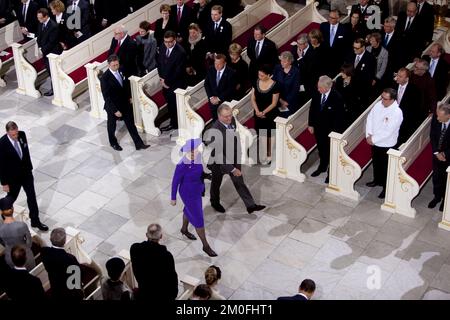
[(304, 58), (220, 84), (364, 70), (425, 12), (260, 51), (218, 33), (47, 39), (438, 69), (79, 8), (6, 15), (27, 16), (171, 68), (223, 138), (20, 284), (305, 291), (59, 265), (440, 144), (125, 48), (16, 170), (117, 94), (154, 268), (326, 114), (338, 38), (411, 35), (182, 15), (408, 99)]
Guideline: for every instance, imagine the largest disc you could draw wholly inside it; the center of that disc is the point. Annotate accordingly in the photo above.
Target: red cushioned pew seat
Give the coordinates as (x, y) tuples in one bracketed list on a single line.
[(362, 154), (307, 140), (268, 22), (421, 168)]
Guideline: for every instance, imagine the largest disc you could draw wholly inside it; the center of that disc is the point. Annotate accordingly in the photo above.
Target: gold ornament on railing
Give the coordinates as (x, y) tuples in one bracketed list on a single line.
[(440, 12)]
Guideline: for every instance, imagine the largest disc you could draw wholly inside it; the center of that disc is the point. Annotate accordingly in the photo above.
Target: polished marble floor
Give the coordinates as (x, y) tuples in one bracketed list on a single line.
[(351, 250)]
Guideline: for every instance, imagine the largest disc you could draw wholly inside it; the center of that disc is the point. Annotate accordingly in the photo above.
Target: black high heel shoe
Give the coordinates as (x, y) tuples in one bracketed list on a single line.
[(188, 235), (210, 252)]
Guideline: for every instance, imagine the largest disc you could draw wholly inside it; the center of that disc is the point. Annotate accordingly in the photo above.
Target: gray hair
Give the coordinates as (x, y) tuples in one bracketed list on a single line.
[(223, 107), (391, 20), (444, 107), (121, 28), (424, 63), (303, 38), (287, 55), (58, 237), (325, 82), (154, 232)]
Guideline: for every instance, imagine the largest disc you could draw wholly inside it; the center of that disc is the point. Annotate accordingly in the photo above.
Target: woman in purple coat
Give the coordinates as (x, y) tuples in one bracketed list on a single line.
[(188, 180)]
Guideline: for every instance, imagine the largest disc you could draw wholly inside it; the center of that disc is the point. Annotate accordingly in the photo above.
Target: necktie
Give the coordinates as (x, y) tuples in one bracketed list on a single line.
[(401, 90), (441, 137), (332, 34), (168, 52), (322, 103), (408, 24), (119, 78), (18, 150), (386, 40), (257, 49), (218, 78), (116, 50), (420, 7), (357, 61), (216, 26), (179, 15), (432, 67), (24, 12)]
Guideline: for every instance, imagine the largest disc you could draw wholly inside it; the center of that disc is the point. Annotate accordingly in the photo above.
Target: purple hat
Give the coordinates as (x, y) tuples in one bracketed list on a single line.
[(191, 144), (6, 204)]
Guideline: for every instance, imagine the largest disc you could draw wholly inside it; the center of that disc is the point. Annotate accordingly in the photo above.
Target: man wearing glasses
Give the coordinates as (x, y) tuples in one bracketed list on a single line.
[(382, 129)]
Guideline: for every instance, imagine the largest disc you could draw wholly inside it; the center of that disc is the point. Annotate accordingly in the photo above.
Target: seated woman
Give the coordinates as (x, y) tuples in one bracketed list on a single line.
[(287, 75), (14, 232), (241, 68)]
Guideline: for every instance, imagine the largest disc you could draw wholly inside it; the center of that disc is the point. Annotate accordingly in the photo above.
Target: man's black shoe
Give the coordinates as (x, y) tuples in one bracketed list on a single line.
[(434, 202), (372, 184), (256, 207), (166, 128), (327, 179), (49, 93), (382, 194), (143, 147), (218, 207), (117, 147), (441, 207), (317, 172), (40, 226)]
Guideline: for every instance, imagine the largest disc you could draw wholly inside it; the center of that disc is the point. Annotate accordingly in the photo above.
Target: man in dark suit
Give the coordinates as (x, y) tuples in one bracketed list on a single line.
[(440, 144), (438, 69), (391, 42), (60, 266), (364, 70), (47, 39), (326, 114), (20, 284), (260, 51), (117, 94), (362, 7), (125, 48), (224, 139), (78, 15), (218, 32), (27, 16), (6, 15), (171, 68), (408, 99), (422, 80), (220, 84), (305, 291), (304, 58), (16, 170), (182, 15), (411, 35), (338, 38), (154, 268), (425, 13), (107, 13)]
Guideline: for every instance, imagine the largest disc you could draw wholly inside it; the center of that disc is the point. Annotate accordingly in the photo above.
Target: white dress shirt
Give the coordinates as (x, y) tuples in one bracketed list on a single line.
[(59, 17), (383, 124), (401, 92)]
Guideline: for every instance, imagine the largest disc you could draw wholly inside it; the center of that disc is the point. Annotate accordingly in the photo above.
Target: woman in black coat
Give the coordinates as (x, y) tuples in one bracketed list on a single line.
[(196, 50), (352, 101), (241, 68), (163, 24), (65, 37), (201, 12)]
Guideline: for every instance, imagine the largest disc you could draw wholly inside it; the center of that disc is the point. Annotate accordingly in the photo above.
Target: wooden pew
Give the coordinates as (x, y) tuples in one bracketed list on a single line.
[(69, 75), (409, 169), (8, 35), (192, 104), (148, 100)]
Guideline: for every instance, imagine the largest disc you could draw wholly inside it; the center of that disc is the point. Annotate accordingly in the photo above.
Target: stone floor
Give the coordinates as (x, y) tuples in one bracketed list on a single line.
[(352, 250)]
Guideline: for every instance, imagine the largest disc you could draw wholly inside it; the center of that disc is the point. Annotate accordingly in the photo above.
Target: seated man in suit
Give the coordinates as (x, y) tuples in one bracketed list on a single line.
[(438, 69), (154, 268), (60, 266), (305, 291), (20, 284), (117, 94), (440, 145), (220, 84)]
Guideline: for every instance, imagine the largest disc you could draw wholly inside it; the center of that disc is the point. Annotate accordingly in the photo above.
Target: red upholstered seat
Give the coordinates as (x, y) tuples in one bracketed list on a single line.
[(8, 56), (159, 99), (39, 65), (362, 154), (421, 168), (204, 112), (309, 27), (250, 123), (268, 22), (80, 74), (307, 140)]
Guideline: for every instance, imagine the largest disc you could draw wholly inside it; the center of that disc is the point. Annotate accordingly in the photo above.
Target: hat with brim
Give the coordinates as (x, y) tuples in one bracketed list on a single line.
[(191, 144)]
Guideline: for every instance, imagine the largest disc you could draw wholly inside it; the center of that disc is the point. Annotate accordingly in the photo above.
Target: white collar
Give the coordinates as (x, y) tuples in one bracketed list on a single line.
[(27, 3), (403, 85), (55, 247), (304, 295), (23, 268), (218, 22), (334, 25), (326, 94), (446, 124), (114, 72), (180, 7), (12, 140)]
